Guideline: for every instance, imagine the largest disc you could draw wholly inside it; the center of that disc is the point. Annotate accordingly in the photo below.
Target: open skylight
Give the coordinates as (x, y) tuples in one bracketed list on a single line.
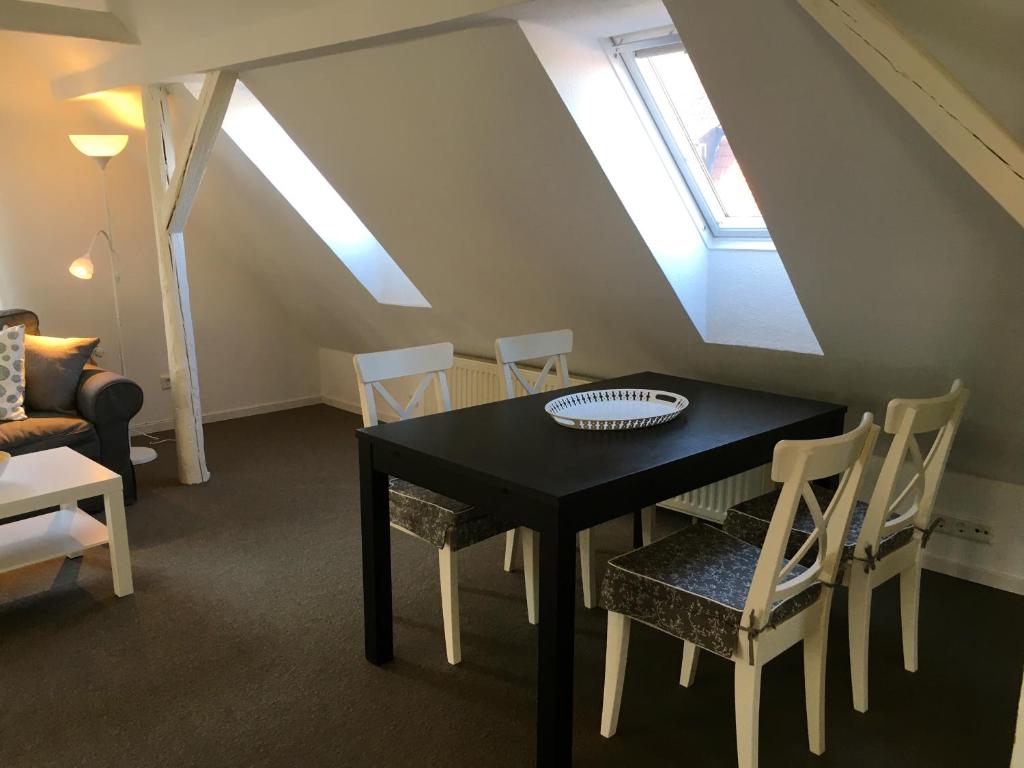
[(667, 82), (273, 152), (735, 288)]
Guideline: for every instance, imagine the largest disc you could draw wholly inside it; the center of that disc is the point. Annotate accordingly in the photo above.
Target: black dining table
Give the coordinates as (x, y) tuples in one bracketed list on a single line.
[(512, 459)]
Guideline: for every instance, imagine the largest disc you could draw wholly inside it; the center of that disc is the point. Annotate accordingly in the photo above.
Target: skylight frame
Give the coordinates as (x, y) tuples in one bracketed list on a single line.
[(684, 156)]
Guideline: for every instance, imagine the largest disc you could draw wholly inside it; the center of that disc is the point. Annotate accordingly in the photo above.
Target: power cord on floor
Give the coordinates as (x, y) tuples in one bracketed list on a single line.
[(153, 439)]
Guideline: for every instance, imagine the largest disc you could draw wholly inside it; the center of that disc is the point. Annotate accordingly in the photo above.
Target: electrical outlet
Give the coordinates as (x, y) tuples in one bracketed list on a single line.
[(165, 381), (964, 529)]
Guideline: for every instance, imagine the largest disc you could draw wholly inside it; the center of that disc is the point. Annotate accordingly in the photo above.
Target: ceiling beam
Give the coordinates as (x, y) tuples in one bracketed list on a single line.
[(45, 19), (323, 29), (930, 94)]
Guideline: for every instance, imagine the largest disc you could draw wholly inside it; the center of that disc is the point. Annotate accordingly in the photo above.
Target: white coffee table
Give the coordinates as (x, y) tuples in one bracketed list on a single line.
[(61, 477)]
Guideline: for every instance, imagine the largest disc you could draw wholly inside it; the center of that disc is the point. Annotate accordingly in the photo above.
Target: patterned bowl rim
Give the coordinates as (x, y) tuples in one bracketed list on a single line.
[(679, 404)]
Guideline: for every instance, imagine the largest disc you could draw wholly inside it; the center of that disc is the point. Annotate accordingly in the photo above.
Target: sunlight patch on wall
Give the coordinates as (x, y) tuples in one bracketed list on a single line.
[(255, 131), (121, 104)]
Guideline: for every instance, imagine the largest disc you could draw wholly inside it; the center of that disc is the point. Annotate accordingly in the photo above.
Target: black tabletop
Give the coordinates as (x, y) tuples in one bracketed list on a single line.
[(516, 444)]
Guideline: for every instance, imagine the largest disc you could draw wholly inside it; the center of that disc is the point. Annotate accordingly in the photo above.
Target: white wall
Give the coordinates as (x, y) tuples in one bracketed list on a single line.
[(998, 505), (497, 209), (338, 381), (50, 205)]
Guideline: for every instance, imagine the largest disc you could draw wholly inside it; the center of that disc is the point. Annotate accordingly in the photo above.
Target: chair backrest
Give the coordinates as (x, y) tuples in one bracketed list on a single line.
[(431, 362), (894, 507), (797, 463), (550, 347)]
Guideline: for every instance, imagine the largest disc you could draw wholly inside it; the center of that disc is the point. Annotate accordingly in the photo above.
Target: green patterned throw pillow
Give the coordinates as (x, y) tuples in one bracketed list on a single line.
[(12, 373)]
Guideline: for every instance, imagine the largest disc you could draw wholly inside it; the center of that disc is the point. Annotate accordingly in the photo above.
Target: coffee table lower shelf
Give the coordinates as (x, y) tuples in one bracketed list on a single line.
[(67, 531)]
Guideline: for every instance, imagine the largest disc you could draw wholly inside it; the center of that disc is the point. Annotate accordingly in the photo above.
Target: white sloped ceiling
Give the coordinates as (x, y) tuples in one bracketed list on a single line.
[(979, 43), (458, 154)]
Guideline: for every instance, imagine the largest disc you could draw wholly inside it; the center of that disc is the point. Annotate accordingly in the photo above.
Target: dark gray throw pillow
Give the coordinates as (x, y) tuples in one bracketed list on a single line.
[(52, 369)]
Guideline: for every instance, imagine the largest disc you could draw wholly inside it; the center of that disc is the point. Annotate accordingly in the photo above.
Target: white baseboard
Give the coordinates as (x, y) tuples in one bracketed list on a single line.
[(231, 413), (1010, 582), (350, 407), (342, 405)]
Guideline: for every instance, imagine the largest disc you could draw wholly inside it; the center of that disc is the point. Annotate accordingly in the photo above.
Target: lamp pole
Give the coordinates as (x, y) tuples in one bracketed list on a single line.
[(115, 268)]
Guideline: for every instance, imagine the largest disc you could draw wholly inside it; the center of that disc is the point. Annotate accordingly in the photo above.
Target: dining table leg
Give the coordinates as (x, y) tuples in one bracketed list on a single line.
[(638, 529), (376, 533), (555, 651)]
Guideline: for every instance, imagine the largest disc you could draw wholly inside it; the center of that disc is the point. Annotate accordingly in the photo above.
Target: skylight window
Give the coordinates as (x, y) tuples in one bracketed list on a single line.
[(668, 84), (255, 131)]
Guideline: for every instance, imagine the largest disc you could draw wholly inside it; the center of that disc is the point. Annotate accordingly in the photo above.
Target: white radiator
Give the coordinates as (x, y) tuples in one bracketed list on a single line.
[(713, 501), (473, 381)]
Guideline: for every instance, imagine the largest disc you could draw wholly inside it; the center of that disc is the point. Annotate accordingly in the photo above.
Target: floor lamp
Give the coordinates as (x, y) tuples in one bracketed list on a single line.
[(102, 147)]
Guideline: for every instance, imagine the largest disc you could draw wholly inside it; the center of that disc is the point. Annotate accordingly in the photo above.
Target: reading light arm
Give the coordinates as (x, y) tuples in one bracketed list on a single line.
[(95, 237), (115, 277)]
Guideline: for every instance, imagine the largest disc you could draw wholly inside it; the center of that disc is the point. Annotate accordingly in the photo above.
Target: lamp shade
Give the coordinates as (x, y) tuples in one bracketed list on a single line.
[(82, 267), (99, 144)]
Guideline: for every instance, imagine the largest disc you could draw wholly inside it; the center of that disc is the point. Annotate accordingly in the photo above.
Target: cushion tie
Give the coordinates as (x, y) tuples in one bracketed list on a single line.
[(870, 559), (753, 631), (926, 533)]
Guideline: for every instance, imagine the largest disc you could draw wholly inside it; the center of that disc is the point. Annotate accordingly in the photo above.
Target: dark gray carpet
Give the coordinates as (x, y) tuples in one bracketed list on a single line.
[(242, 646)]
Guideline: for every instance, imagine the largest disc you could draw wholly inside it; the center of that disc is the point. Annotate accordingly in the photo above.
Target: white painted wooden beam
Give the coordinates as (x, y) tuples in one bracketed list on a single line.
[(46, 19), (930, 94), (213, 105), (293, 33), (173, 187)]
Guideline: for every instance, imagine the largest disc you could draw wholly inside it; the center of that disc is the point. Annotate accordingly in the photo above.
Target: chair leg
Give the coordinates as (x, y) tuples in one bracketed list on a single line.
[(449, 565), (815, 655), (691, 653), (510, 549), (647, 518), (910, 599), (748, 710), (614, 671), (531, 572), (860, 626), (587, 567)]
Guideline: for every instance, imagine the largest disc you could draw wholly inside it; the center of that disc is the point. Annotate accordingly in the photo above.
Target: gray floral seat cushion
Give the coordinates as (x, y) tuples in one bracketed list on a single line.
[(693, 585), (749, 521), (437, 519)]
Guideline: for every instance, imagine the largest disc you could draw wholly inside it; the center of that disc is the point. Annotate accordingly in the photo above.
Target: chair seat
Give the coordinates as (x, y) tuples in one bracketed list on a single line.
[(749, 521), (693, 585), (438, 519)]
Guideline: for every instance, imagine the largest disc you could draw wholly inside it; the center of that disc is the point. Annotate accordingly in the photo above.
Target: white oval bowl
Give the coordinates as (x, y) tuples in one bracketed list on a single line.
[(604, 409)]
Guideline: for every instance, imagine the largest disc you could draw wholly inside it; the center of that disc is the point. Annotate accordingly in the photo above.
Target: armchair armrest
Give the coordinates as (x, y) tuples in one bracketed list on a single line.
[(109, 401), (105, 397)]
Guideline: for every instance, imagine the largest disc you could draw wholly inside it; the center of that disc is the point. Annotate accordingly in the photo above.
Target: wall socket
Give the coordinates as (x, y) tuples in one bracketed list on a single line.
[(165, 381), (964, 529)]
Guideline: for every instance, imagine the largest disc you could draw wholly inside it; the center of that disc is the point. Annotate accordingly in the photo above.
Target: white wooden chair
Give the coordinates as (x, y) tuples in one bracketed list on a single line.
[(447, 524), (887, 534), (744, 603), (550, 350)]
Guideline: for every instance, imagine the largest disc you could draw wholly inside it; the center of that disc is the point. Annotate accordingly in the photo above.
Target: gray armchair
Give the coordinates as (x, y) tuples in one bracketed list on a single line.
[(106, 402)]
